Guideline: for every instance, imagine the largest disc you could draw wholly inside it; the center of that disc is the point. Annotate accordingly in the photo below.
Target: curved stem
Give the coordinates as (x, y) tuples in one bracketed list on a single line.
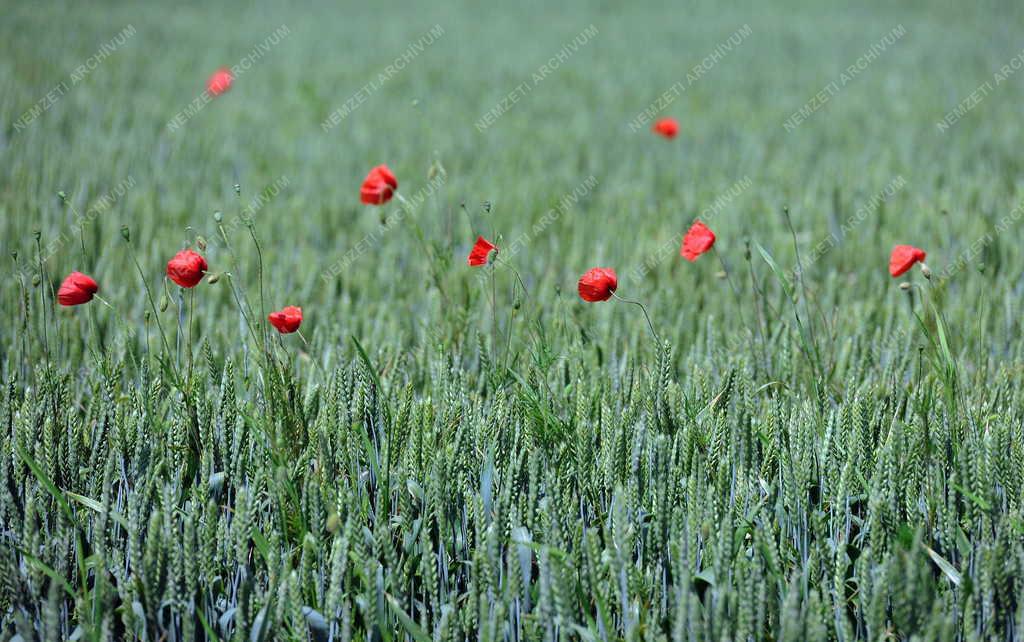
[(497, 259), (152, 304), (735, 290), (644, 310), (259, 270)]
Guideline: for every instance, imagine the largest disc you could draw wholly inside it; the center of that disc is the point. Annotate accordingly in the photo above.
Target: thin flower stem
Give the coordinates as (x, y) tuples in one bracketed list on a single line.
[(494, 313), (42, 300), (23, 303), (508, 338), (94, 330), (512, 314), (803, 291), (241, 308), (239, 295), (191, 312), (81, 228), (152, 301), (259, 267), (423, 243), (514, 271), (644, 310), (469, 219), (181, 321), (956, 374), (309, 352), (128, 329), (735, 290)]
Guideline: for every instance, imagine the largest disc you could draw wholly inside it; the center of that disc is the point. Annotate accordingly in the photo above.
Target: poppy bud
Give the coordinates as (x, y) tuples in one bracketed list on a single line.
[(981, 267), (905, 286), (218, 217), (62, 196), (35, 280), (213, 278), (487, 206), (164, 302), (37, 235), (14, 255), (721, 274), (238, 189), (926, 271), (145, 316), (436, 169), (127, 235), (186, 268), (201, 243)]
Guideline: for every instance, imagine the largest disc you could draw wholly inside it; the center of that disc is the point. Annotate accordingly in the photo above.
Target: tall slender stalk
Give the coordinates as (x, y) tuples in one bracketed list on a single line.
[(646, 316), (125, 233)]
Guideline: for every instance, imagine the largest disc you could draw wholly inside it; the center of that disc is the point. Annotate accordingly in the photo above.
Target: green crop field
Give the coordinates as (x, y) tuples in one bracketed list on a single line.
[(796, 446)]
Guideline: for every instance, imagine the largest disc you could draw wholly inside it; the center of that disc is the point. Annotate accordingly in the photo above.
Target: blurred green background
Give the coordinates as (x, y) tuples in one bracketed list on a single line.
[(112, 125)]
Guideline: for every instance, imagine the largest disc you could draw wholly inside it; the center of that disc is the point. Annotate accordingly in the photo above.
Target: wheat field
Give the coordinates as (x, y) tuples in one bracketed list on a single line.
[(778, 441)]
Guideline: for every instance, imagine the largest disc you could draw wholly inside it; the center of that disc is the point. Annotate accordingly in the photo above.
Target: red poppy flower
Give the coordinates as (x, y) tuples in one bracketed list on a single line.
[(186, 268), (698, 240), (286, 320), (219, 81), (667, 127), (378, 186), (598, 284), (903, 257), (76, 289), (480, 252)]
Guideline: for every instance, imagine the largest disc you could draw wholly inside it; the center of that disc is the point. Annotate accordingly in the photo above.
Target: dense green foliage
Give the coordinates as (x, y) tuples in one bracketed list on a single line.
[(804, 454)]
